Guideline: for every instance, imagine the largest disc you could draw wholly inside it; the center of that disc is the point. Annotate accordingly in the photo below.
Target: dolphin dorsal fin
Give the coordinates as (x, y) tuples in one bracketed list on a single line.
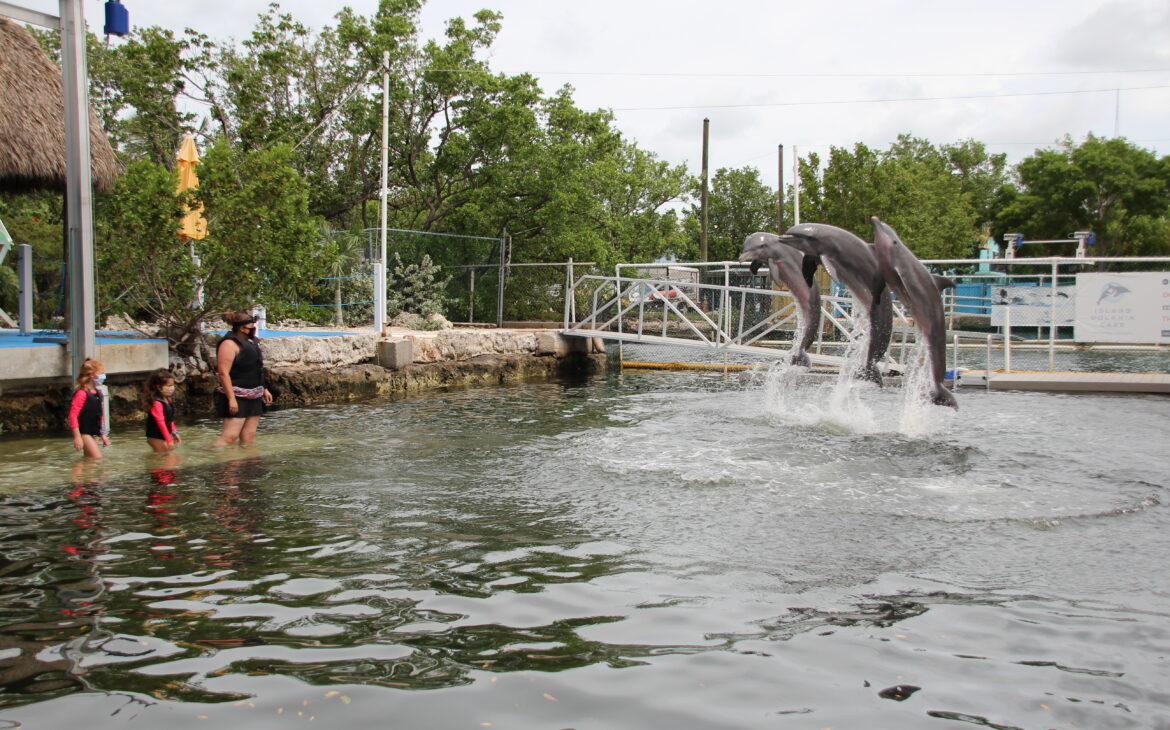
[(943, 282)]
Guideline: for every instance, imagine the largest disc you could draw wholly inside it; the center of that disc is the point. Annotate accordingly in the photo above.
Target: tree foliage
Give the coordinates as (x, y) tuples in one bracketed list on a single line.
[(933, 196), (738, 203), (1109, 186)]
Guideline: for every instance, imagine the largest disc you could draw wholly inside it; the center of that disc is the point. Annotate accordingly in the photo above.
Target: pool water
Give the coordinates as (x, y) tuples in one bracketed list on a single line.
[(639, 550)]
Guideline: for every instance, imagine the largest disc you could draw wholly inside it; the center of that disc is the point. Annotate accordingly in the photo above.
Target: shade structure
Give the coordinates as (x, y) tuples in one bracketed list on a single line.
[(32, 126), (193, 226)]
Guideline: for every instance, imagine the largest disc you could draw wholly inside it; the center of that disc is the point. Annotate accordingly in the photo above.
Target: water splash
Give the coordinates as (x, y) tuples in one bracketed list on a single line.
[(918, 416), (794, 395)]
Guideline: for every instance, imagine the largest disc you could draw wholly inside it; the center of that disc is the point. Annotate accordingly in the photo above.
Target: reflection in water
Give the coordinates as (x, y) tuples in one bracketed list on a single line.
[(647, 552), (54, 595), (239, 508)]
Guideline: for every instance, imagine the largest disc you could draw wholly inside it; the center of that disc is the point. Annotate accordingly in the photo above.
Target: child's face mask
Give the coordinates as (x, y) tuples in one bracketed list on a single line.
[(167, 390), (99, 378)]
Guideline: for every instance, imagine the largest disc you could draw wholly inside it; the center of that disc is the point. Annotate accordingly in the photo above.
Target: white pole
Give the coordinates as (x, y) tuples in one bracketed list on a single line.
[(380, 282), (1007, 339), (1052, 321)]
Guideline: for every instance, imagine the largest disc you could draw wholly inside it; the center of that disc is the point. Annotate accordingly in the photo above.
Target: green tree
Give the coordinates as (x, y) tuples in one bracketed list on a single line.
[(1109, 186), (914, 186), (342, 252), (143, 270), (738, 203), (261, 243), (260, 248)]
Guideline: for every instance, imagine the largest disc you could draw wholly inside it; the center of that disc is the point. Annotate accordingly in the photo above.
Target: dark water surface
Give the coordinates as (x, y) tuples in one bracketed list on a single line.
[(644, 551)]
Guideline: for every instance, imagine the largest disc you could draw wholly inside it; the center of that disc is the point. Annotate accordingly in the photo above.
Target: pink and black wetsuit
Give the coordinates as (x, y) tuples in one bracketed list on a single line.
[(85, 412), (160, 421)]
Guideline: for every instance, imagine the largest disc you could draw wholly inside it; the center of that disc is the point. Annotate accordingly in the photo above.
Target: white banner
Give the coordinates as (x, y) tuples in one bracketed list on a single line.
[(1132, 308), (1032, 305)]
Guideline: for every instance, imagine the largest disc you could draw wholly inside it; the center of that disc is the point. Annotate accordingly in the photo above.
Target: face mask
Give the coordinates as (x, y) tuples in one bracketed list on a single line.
[(167, 390), (99, 378)]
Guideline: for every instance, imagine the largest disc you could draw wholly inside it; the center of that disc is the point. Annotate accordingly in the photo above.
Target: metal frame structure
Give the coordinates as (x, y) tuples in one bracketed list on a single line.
[(615, 300)]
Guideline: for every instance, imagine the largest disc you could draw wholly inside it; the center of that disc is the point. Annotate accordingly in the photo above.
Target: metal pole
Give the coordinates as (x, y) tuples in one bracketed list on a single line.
[(780, 189), (500, 293), (1052, 322), (1007, 339), (25, 314), (568, 290), (795, 186), (703, 199), (955, 364), (987, 373), (471, 304), (78, 190), (384, 194)]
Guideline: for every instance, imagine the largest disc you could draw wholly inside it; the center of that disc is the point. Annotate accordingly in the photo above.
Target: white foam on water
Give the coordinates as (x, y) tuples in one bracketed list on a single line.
[(918, 416), (848, 405)]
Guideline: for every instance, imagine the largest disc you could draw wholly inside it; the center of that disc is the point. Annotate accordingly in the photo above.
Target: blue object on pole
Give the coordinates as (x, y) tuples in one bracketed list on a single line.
[(1092, 239), (117, 18)]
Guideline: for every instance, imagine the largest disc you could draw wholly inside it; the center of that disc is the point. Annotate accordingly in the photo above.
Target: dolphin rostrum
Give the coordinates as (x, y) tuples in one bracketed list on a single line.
[(920, 291), (851, 261), (794, 269)]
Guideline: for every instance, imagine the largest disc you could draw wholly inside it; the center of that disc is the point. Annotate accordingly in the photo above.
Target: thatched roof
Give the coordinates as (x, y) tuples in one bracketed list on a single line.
[(32, 119)]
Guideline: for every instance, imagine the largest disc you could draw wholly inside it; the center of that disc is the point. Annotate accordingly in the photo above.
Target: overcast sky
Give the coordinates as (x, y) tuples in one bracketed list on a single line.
[(1014, 74)]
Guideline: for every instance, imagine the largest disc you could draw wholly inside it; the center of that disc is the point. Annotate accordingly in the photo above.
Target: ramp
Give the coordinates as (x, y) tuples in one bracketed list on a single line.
[(714, 322)]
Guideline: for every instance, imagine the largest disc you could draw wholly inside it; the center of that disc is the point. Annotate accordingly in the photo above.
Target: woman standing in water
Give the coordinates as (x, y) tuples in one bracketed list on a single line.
[(241, 395)]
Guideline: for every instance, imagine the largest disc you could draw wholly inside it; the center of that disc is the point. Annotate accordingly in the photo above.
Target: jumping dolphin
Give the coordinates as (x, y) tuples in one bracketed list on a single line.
[(796, 270), (919, 290), (851, 261)]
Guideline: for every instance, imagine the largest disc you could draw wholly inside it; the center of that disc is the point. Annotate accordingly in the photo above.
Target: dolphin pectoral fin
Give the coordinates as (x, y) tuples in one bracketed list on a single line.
[(755, 267), (809, 269), (943, 282)]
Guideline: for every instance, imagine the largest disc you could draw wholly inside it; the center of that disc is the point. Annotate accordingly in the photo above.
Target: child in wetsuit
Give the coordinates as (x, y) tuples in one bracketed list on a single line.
[(157, 392), (85, 412)]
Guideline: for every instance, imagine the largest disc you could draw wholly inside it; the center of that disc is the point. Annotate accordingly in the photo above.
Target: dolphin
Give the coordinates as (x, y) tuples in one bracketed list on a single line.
[(851, 261), (796, 270), (919, 290)]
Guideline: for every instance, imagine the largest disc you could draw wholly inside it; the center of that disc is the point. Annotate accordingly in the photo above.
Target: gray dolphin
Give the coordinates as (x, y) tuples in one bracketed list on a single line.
[(920, 291), (796, 270), (851, 261)]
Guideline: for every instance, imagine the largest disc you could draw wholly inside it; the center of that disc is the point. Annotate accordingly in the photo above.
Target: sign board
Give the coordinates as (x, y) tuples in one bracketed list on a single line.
[(1132, 308)]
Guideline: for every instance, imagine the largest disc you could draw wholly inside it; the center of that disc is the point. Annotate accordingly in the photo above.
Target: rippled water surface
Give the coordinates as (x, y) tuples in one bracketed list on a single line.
[(644, 551)]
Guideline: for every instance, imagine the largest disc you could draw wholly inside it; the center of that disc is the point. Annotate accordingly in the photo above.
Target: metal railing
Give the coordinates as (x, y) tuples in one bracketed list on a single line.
[(722, 319), (1005, 314)]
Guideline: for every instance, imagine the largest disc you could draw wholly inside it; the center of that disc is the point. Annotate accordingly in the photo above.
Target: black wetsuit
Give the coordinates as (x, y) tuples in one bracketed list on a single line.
[(247, 371)]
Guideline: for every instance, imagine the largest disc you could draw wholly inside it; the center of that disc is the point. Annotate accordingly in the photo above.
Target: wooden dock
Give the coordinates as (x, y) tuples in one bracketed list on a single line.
[(1067, 382)]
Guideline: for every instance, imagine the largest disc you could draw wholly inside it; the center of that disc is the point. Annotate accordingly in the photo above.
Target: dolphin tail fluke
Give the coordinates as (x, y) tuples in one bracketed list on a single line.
[(944, 397)]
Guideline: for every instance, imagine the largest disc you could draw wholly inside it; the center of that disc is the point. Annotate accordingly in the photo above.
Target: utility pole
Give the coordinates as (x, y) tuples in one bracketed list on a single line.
[(780, 190), (703, 200), (795, 186)]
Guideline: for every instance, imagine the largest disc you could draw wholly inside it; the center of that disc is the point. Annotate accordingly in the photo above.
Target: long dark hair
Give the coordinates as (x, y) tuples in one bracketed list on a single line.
[(153, 382)]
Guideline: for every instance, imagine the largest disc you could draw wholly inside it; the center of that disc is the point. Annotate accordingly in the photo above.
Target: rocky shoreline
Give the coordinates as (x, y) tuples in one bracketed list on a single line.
[(304, 370)]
